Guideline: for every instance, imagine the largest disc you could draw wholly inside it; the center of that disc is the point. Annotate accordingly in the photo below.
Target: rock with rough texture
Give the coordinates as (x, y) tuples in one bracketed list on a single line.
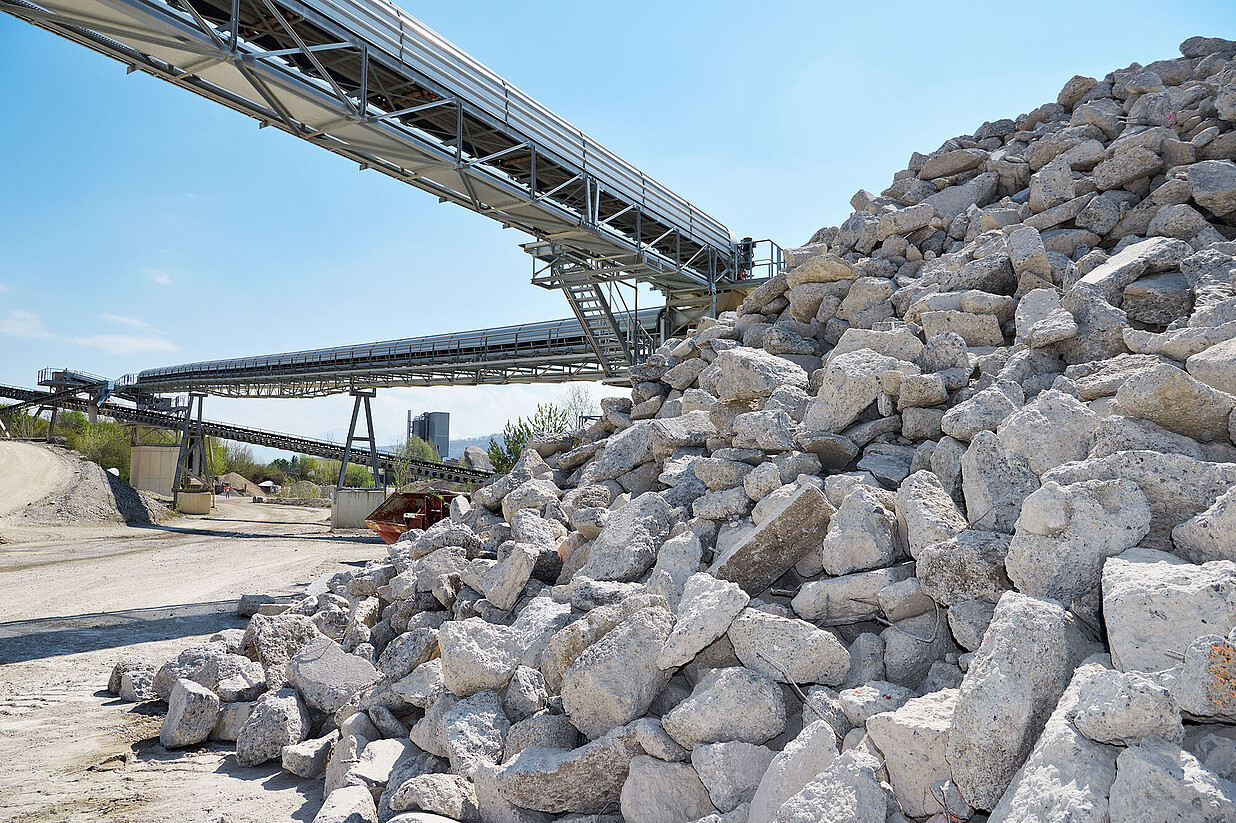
[(309, 757), (862, 534), (788, 651), (1065, 533), (1125, 708), (191, 714), (913, 739), (450, 795), (1157, 780), (326, 676), (276, 639), (926, 513), (1169, 397), (1067, 777), (660, 792), (792, 768), (1202, 684), (728, 704), (747, 374), (627, 546), (1054, 428), (474, 732), (588, 779), (731, 771), (772, 548), (1213, 185), (278, 719), (851, 383), (707, 607), (969, 566), (615, 680), (476, 655), (1176, 486), (1155, 605), (847, 791), (350, 804), (1014, 681), (994, 481)]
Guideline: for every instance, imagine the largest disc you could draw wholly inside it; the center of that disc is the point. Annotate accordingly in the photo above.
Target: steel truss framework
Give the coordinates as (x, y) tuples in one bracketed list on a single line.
[(175, 421), (365, 80), (546, 352)]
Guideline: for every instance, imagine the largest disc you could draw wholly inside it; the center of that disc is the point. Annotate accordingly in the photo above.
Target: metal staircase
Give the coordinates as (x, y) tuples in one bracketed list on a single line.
[(601, 328)]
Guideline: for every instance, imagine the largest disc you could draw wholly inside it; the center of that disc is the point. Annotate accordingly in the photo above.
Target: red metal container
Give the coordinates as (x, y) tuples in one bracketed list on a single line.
[(409, 510)]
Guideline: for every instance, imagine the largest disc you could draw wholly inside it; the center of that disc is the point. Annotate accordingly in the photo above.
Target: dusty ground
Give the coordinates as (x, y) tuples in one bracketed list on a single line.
[(76, 600)]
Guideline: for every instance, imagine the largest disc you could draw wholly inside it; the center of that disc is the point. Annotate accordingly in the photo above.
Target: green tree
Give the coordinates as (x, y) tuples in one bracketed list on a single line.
[(414, 448), (549, 418), (579, 403)]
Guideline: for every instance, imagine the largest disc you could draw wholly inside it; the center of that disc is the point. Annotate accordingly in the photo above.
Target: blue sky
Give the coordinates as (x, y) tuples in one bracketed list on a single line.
[(142, 225)]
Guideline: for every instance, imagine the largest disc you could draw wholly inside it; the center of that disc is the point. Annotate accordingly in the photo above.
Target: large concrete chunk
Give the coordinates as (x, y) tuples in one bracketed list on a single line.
[(1155, 605), (1014, 681), (474, 732), (994, 481), (728, 704), (731, 771), (1054, 428), (746, 374), (862, 534), (926, 513), (794, 767), (1067, 777), (660, 792), (615, 680), (1169, 397), (627, 546), (772, 548), (326, 676), (1125, 708), (788, 651), (852, 382), (1176, 486), (913, 739), (969, 566), (707, 607), (191, 714), (588, 779), (278, 719), (476, 655), (1213, 185), (1065, 533), (1135, 260), (847, 791), (1159, 781)]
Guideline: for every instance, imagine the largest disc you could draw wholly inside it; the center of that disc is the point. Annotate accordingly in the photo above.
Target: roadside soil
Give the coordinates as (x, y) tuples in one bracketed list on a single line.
[(79, 598)]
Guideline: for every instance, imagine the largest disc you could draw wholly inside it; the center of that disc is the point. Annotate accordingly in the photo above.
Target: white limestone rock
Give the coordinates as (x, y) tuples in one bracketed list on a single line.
[(615, 680), (707, 607), (1155, 605), (862, 535), (926, 513), (1014, 681), (847, 791), (660, 792), (1052, 429), (808, 754), (788, 651), (1124, 708), (994, 481), (731, 771), (192, 711), (1065, 533), (1157, 780), (728, 704), (913, 739)]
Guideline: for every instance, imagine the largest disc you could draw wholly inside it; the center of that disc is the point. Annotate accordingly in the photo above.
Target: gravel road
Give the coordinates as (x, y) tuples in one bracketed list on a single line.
[(79, 598)]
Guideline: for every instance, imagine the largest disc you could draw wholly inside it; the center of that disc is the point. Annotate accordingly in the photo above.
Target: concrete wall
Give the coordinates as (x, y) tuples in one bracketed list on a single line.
[(352, 506), (153, 468), (194, 502)]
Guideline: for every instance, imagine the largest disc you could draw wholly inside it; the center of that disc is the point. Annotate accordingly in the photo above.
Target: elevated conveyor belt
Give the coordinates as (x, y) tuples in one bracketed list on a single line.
[(243, 434), (554, 351), (364, 79)]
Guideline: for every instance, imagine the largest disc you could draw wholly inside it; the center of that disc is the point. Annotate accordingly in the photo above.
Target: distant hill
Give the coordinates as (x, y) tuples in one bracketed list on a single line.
[(457, 446)]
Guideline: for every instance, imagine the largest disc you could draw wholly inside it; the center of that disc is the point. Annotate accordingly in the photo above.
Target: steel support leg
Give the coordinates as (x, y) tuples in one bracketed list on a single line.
[(193, 459), (51, 425), (362, 400)]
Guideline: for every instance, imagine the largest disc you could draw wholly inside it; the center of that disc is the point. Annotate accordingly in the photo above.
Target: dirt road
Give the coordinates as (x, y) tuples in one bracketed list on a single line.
[(74, 605)]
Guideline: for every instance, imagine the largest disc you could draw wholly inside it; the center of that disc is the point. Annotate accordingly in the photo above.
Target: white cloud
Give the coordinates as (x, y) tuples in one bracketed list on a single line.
[(125, 321), (22, 323), (158, 276), (3, 289), (124, 343)]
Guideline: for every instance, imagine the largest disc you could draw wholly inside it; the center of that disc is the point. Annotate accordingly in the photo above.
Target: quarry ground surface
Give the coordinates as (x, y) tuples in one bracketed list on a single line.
[(78, 599)]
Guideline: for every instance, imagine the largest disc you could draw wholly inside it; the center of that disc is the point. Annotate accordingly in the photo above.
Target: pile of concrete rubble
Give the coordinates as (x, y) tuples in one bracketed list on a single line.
[(940, 523)]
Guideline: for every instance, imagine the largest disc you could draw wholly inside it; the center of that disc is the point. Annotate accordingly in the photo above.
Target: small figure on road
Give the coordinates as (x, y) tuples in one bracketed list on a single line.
[(227, 491)]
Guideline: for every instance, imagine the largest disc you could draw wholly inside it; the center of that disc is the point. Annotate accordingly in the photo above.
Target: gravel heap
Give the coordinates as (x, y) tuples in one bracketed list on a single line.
[(939, 524)]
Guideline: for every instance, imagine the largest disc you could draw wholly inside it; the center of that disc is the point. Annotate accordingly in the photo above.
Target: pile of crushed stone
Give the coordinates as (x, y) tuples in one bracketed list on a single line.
[(92, 496), (939, 525)]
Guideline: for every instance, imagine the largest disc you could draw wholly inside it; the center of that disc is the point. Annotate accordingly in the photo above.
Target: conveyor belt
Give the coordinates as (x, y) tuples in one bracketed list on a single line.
[(258, 437)]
